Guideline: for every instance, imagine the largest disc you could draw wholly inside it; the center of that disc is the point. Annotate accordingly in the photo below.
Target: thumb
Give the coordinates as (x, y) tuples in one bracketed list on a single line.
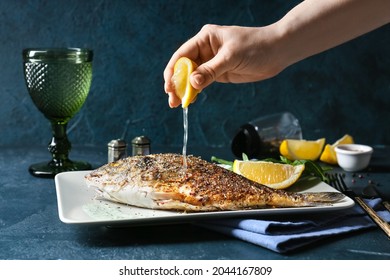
[(208, 72)]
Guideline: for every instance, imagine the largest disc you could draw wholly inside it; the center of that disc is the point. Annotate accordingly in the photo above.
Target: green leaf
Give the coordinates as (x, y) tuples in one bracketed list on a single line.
[(244, 157), (221, 161)]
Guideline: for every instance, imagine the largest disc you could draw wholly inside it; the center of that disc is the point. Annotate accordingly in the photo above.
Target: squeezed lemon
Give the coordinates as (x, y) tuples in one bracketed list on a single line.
[(181, 81)]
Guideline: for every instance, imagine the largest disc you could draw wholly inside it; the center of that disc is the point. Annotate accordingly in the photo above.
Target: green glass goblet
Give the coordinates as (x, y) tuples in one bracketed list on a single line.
[(58, 81)]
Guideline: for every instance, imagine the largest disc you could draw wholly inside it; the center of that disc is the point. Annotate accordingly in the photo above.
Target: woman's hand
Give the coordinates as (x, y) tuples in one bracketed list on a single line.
[(227, 54)]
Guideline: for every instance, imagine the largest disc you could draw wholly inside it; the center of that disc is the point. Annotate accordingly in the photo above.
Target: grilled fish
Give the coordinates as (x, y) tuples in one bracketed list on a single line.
[(160, 181)]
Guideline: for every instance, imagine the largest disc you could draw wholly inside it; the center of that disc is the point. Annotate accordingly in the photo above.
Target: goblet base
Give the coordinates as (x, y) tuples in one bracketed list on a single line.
[(50, 169)]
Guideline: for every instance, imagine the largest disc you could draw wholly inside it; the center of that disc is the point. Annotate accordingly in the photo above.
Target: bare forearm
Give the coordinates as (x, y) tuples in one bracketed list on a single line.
[(317, 25), (234, 54)]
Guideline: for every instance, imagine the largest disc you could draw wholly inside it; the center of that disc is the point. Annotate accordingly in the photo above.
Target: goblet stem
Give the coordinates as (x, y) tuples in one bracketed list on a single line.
[(59, 146)]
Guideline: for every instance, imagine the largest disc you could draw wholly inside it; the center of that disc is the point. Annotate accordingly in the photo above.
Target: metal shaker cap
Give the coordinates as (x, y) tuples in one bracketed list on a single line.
[(117, 149), (141, 146), (117, 143)]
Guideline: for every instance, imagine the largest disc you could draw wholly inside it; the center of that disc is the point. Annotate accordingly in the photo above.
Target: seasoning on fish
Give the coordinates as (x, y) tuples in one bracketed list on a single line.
[(158, 181)]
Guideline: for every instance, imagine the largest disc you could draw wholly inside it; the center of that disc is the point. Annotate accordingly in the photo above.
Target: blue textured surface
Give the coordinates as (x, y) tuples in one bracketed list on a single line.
[(30, 227), (344, 90)]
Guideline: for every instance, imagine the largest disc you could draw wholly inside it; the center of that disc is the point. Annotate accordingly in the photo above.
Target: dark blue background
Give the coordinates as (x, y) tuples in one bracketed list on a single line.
[(343, 90)]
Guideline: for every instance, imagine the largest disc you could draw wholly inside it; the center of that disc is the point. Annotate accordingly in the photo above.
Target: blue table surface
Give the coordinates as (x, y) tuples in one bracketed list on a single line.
[(30, 227)]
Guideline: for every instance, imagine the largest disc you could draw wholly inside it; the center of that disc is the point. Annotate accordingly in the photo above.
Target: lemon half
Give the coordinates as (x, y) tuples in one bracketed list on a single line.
[(181, 80), (273, 175)]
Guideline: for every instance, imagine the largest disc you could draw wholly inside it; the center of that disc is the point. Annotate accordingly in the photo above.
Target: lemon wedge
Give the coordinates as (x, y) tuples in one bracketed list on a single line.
[(294, 149), (329, 154), (181, 80), (273, 175)]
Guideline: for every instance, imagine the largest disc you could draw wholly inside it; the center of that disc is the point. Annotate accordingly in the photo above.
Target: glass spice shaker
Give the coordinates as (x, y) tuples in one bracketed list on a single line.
[(141, 146)]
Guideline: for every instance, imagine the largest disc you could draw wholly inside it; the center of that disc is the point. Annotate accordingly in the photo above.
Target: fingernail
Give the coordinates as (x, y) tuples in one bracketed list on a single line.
[(198, 79)]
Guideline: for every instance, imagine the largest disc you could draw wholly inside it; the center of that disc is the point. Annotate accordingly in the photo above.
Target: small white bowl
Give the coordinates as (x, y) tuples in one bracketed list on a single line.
[(353, 157)]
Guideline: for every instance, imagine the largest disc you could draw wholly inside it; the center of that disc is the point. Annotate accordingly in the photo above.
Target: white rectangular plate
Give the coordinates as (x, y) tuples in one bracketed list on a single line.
[(77, 204)]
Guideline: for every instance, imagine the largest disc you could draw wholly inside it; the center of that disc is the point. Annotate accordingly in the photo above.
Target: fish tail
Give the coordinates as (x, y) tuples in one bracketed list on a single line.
[(324, 197), (305, 199)]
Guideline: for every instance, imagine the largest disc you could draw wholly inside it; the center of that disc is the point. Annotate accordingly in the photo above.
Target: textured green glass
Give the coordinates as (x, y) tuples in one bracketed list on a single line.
[(58, 89), (58, 81)]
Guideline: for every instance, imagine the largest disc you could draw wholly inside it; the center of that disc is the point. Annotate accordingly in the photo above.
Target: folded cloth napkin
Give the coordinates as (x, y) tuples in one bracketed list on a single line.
[(289, 233)]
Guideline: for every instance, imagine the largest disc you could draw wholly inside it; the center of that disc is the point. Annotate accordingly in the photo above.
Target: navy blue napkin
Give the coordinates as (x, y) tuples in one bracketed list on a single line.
[(286, 234)]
